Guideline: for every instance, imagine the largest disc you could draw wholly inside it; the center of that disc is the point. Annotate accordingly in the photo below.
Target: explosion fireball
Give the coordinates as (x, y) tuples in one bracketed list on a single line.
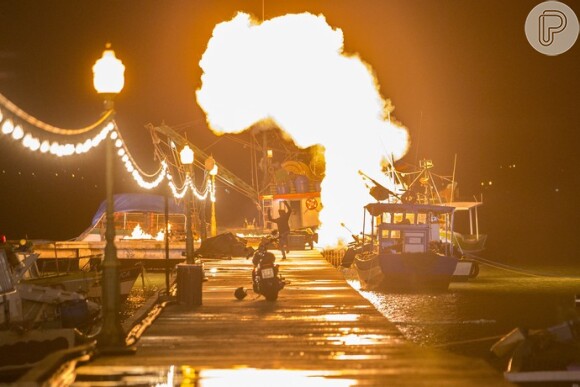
[(292, 70)]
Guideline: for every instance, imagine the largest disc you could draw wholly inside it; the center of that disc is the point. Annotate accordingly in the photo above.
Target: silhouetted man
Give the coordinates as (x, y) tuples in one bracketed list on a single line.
[(283, 226)]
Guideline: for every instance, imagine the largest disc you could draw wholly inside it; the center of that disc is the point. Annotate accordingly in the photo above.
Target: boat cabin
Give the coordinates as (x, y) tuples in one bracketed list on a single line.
[(411, 228)]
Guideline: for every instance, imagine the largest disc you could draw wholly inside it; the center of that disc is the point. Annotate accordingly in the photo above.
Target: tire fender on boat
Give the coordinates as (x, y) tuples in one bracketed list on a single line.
[(474, 270)]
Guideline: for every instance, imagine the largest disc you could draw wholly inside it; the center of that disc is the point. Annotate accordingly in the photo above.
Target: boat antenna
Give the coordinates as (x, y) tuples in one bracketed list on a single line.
[(355, 237), (418, 137), (399, 180), (453, 179)]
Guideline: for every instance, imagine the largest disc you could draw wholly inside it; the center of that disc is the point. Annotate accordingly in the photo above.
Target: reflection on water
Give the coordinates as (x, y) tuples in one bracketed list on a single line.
[(354, 339), (145, 286), (472, 315), (333, 317)]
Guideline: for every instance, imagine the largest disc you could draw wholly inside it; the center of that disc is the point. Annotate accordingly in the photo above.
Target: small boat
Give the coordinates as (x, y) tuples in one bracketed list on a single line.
[(472, 241), (87, 282), (542, 356), (38, 320), (409, 252)]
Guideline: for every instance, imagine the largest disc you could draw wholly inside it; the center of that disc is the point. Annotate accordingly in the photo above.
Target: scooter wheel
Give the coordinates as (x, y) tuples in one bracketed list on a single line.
[(273, 296)]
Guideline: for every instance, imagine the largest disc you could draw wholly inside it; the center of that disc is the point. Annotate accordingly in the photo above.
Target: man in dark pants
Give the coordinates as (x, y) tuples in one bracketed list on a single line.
[(283, 226)]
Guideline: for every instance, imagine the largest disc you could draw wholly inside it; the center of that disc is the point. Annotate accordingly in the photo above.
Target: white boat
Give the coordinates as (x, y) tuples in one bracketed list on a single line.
[(87, 282), (139, 236), (471, 241), (38, 320)]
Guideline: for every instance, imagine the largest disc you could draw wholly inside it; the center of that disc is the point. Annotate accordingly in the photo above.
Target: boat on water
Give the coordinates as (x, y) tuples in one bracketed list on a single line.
[(408, 251), (38, 320), (422, 185), (87, 282), (542, 356), (140, 225)]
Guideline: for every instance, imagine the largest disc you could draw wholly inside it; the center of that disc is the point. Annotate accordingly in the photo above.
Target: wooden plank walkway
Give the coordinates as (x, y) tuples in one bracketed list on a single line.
[(320, 330)]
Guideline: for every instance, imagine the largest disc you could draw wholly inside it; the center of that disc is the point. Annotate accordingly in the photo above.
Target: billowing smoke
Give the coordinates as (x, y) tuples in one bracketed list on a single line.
[(292, 70)]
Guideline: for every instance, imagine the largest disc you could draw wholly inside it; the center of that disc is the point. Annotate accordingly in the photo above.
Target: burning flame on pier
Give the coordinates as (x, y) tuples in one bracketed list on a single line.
[(138, 233), (292, 70)]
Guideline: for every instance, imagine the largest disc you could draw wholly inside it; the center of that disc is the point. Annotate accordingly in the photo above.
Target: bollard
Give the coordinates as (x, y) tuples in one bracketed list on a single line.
[(189, 284)]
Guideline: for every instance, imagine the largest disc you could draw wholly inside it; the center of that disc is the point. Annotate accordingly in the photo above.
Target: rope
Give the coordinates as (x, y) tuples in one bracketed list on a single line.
[(489, 338), (514, 269), (49, 128)]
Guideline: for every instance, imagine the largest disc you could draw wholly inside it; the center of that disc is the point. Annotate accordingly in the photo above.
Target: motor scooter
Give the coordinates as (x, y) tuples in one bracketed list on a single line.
[(266, 278)]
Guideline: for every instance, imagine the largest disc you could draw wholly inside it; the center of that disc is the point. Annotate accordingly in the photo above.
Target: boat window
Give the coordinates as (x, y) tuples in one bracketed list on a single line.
[(387, 218), (399, 217), (390, 234), (421, 218), (415, 242)]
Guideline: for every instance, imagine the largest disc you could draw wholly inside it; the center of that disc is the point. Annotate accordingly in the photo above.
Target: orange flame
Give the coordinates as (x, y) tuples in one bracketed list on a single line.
[(138, 233), (292, 70)]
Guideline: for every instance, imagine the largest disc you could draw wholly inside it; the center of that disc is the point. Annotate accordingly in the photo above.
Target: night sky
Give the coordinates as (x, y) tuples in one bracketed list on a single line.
[(463, 77)]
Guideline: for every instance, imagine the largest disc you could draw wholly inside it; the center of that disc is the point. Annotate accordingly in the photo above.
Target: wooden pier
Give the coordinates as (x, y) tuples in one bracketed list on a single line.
[(320, 329)]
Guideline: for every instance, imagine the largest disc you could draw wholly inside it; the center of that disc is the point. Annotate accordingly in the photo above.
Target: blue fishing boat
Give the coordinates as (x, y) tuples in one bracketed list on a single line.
[(410, 250)]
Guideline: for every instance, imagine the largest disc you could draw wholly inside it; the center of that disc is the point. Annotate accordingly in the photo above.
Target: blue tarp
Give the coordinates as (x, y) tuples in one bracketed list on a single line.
[(139, 203)]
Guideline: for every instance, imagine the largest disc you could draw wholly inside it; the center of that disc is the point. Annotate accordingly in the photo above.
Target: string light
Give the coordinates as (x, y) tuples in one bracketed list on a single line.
[(108, 127), (7, 127)]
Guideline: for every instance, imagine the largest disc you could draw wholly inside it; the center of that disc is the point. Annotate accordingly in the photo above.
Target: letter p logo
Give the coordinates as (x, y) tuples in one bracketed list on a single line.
[(551, 28), (551, 22)]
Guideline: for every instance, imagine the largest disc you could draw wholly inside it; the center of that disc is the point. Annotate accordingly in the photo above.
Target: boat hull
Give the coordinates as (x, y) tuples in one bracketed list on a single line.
[(21, 350), (88, 283), (405, 272)]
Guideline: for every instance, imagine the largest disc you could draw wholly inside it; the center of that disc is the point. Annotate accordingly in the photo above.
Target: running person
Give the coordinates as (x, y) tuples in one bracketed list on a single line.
[(283, 226)]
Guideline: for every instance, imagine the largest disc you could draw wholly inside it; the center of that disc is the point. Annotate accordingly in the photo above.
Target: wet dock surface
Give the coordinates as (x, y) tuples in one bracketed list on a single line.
[(320, 332)]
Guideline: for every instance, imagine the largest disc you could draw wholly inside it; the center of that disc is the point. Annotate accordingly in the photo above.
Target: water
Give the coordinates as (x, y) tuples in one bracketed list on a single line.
[(473, 315), (145, 286)]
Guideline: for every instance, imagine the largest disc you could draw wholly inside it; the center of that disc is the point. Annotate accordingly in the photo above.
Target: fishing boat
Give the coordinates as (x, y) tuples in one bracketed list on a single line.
[(408, 252), (422, 185)]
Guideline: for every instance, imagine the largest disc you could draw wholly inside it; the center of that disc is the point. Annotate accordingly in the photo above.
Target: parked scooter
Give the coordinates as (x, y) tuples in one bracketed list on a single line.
[(266, 279)]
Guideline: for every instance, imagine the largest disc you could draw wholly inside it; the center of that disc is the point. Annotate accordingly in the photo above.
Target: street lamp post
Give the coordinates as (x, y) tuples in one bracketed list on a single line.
[(189, 275), (186, 156), (108, 80), (212, 168)]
